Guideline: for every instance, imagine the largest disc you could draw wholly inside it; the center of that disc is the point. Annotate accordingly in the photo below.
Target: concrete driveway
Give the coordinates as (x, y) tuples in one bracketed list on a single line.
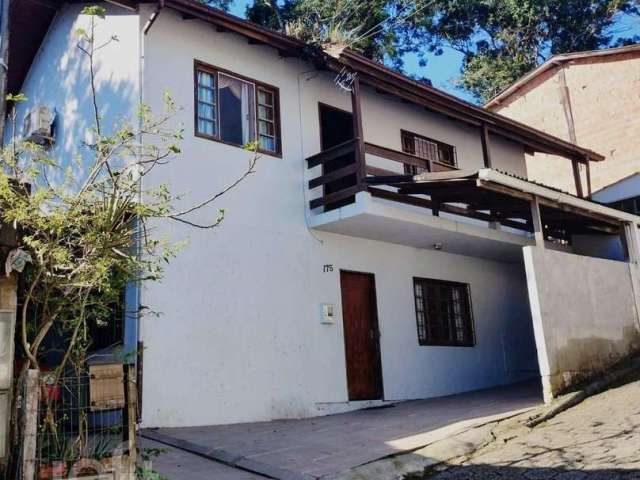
[(322, 447)]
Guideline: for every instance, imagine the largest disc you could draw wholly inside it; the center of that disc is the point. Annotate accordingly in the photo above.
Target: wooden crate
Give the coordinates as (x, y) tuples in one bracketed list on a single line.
[(106, 387)]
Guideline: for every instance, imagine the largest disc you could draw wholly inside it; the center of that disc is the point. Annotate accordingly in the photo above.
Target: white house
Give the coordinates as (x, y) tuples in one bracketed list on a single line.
[(374, 256)]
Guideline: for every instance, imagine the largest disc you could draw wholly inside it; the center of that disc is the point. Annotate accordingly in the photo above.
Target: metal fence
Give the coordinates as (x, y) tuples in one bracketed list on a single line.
[(82, 425)]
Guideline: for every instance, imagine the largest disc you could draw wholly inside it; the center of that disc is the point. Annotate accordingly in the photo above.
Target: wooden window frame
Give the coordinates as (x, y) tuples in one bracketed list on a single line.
[(213, 70), (438, 143), (469, 325)]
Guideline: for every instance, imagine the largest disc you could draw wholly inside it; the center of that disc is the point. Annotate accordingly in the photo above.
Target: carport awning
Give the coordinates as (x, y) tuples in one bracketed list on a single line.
[(495, 196)]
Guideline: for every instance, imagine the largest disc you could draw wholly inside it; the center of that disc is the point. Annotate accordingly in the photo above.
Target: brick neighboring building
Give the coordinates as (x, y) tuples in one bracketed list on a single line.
[(589, 98)]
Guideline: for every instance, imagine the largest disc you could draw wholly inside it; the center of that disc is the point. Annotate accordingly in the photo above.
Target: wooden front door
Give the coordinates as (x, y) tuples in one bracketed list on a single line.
[(361, 336)]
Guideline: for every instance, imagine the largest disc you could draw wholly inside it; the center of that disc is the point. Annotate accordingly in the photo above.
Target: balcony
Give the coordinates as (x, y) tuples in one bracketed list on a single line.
[(364, 190), (369, 195), (361, 189)]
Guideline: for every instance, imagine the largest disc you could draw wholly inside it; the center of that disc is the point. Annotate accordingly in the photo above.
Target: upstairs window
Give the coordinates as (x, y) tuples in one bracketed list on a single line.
[(235, 110), (427, 149), (443, 313)]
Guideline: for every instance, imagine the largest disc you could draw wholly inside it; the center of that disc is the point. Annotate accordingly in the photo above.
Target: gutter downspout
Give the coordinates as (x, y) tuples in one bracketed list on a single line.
[(135, 320), (147, 26), (134, 346)]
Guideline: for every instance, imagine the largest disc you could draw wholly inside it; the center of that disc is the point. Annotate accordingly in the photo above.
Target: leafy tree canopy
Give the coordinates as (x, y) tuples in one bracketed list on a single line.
[(366, 26), (221, 4), (501, 40)]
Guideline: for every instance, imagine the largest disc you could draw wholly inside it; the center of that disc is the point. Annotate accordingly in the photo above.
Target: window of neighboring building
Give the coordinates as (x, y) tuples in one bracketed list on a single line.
[(235, 110), (427, 149), (629, 205), (443, 313)]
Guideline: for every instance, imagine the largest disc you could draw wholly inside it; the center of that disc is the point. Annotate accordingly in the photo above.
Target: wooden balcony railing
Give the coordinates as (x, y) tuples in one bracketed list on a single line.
[(345, 172), (407, 159)]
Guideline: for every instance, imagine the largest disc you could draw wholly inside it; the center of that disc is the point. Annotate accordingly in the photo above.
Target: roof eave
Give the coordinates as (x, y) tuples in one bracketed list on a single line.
[(381, 77), (553, 62), (462, 110)]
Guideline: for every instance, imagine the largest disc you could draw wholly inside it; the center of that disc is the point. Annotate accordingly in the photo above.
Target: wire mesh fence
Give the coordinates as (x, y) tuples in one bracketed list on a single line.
[(82, 423)]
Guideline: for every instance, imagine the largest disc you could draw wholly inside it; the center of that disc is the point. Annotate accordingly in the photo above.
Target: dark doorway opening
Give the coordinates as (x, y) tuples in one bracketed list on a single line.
[(361, 335), (336, 127)]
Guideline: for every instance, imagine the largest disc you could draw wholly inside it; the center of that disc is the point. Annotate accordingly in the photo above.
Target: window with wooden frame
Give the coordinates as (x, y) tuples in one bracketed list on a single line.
[(428, 149), (236, 110), (443, 313)]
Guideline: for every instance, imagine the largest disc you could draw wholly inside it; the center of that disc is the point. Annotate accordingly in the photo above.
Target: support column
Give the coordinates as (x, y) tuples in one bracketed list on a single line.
[(576, 177), (588, 166), (356, 109), (632, 237), (536, 218), (486, 146)]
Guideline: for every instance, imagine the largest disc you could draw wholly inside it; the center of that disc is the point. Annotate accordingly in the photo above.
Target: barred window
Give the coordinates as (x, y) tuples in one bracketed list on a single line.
[(443, 313), (236, 110), (428, 149)]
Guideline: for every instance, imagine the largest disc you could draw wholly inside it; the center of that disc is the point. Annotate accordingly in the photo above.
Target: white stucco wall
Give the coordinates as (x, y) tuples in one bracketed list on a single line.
[(240, 336), (59, 78), (584, 315)]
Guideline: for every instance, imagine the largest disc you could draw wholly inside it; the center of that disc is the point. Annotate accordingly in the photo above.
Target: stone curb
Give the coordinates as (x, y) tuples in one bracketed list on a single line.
[(415, 463), (572, 399)]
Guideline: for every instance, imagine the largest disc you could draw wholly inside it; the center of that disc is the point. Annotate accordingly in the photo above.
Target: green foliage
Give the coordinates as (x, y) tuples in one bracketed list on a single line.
[(83, 222), (144, 471), (503, 39), (486, 74), (83, 234), (365, 26), (88, 224), (221, 4), (95, 11), (19, 97)]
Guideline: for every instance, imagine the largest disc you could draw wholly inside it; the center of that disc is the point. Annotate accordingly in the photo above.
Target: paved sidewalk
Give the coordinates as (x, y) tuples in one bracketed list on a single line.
[(175, 464), (325, 446), (597, 439)]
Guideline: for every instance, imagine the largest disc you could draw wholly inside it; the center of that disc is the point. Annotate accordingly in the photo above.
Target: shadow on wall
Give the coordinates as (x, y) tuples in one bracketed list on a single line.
[(60, 80), (584, 358)]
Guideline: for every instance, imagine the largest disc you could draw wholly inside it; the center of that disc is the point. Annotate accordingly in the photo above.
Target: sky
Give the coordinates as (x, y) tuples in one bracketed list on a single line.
[(443, 69)]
